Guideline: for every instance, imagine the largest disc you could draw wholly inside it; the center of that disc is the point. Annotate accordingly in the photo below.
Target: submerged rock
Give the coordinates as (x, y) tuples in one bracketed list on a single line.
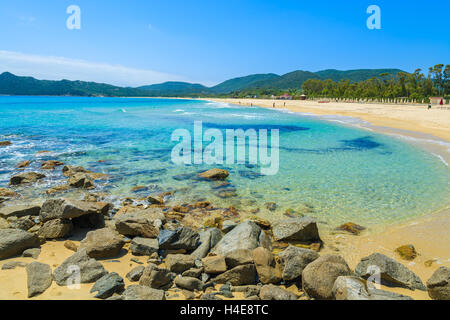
[(5, 143), (214, 174), (407, 252), (23, 164), (14, 241), (296, 229), (351, 227), (51, 164), (391, 271), (102, 243), (29, 177), (39, 278), (439, 284)]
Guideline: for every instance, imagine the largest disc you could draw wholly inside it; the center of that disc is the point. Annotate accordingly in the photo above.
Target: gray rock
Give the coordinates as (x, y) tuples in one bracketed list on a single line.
[(133, 225), (39, 278), (181, 238), (89, 269), (144, 246), (238, 257), (228, 225), (13, 264), (271, 292), (13, 242), (189, 283), (137, 292), (296, 229), (28, 177), (55, 229), (155, 277), (4, 224), (294, 260), (179, 263), (269, 271), (247, 235), (238, 276), (319, 276), (32, 253), (23, 223), (208, 240), (20, 211), (439, 284), (353, 288), (214, 264), (391, 272), (193, 272), (210, 296), (135, 274), (102, 243), (68, 209), (107, 285), (81, 180)]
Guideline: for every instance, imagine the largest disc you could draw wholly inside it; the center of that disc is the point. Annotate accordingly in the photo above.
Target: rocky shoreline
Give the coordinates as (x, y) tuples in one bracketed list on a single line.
[(194, 249)]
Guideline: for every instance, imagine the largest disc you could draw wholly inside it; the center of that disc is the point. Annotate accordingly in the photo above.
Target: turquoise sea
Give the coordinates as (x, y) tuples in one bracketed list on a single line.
[(331, 171)]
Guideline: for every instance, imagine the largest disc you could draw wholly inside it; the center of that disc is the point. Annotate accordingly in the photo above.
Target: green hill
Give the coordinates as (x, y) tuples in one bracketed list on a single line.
[(172, 88), (354, 75), (243, 83)]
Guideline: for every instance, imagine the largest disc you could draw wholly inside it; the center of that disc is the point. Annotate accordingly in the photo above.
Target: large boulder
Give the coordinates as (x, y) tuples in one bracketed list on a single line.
[(208, 240), (20, 211), (294, 260), (179, 263), (14, 241), (102, 243), (144, 246), (137, 292), (183, 238), (107, 285), (39, 278), (131, 225), (439, 284), (78, 265), (247, 235), (354, 288), (269, 271), (55, 229), (238, 276), (391, 272), (271, 292), (214, 174), (296, 229), (238, 257), (319, 276), (28, 177), (68, 209), (155, 277)]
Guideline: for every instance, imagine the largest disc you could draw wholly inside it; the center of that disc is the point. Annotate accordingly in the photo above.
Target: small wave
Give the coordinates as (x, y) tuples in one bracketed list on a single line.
[(440, 158)]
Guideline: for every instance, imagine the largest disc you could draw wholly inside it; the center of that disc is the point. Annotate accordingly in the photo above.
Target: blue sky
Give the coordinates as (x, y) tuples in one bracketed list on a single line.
[(139, 42)]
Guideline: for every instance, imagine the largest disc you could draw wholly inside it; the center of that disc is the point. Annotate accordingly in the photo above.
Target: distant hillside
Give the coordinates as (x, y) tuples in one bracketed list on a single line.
[(15, 85)]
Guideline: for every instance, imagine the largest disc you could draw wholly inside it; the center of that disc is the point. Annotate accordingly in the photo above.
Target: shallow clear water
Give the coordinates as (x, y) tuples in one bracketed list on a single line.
[(334, 172)]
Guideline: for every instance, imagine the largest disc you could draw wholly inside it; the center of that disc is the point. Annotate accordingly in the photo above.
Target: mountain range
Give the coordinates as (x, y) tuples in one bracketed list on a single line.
[(11, 84)]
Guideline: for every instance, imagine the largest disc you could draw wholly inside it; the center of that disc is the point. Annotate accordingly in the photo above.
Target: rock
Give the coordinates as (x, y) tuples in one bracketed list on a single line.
[(193, 272), (55, 229), (271, 292), (228, 225), (238, 276), (353, 288), (139, 223), (14, 241), (81, 180), (51, 164), (154, 200), (24, 223), (144, 246), (210, 296), (69, 209), (272, 206), (294, 260), (28, 177), (23, 164), (214, 264), (208, 240), (71, 245), (4, 224), (69, 171), (89, 269), (247, 235), (181, 238), (57, 189), (179, 263), (5, 143), (14, 264), (439, 284), (39, 278), (107, 285), (319, 276), (238, 257), (214, 174), (155, 277), (351, 227), (296, 229), (269, 271), (102, 243), (407, 252), (391, 272), (20, 211), (7, 193), (135, 292), (189, 283), (135, 274), (32, 253)]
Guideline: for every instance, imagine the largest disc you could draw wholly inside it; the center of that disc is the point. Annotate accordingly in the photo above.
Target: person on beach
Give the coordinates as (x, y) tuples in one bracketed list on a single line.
[(274, 104), (429, 106)]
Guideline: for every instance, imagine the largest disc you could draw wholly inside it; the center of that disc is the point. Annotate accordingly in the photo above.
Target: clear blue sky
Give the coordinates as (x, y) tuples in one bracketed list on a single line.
[(211, 41)]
